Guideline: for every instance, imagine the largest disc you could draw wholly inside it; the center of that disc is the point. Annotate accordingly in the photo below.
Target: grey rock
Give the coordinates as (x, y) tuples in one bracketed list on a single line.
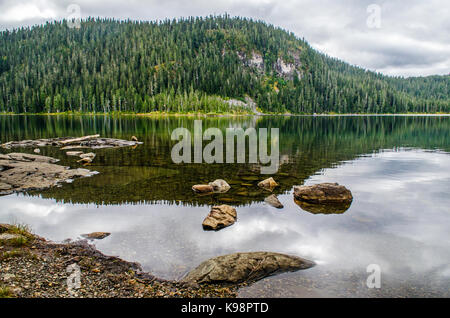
[(220, 185), (245, 267)]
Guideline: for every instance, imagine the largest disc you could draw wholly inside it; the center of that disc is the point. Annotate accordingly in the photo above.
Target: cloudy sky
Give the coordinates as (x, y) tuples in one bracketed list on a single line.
[(396, 37)]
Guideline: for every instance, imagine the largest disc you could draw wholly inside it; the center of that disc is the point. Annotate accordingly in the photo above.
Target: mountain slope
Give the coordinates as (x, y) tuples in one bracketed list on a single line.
[(190, 65)]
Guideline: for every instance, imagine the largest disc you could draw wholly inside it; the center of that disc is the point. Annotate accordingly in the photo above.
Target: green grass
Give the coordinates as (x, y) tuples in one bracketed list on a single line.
[(5, 293), (19, 229), (12, 253)]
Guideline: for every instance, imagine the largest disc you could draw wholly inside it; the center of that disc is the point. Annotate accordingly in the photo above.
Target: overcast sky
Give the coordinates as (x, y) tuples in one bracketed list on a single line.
[(396, 37)]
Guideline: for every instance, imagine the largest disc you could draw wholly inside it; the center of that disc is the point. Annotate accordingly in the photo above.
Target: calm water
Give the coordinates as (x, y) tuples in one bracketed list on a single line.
[(398, 168)]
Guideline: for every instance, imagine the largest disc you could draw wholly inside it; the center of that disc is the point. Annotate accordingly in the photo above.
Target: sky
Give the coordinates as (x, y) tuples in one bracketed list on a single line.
[(394, 37)]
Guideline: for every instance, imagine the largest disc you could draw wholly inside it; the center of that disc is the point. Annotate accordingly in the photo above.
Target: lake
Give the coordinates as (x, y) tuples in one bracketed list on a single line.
[(397, 167)]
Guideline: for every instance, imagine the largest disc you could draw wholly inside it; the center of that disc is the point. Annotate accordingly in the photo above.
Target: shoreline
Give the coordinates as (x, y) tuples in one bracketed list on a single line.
[(35, 267), (161, 114)]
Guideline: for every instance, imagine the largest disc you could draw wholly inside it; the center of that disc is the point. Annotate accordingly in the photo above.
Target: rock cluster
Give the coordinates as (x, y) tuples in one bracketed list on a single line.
[(217, 186)]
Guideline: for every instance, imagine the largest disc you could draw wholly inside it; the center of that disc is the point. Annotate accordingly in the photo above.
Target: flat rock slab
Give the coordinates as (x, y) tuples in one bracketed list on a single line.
[(23, 172), (93, 142), (220, 216), (323, 193), (245, 267)]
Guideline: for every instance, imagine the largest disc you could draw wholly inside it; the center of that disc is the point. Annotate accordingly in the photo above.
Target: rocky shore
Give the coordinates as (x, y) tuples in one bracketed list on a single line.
[(34, 267)]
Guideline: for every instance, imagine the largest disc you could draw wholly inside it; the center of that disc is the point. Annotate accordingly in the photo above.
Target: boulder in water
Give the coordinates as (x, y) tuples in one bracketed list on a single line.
[(324, 193), (220, 216), (243, 267)]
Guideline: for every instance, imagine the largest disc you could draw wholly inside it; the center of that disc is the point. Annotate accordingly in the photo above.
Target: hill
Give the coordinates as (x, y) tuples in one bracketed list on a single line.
[(212, 64)]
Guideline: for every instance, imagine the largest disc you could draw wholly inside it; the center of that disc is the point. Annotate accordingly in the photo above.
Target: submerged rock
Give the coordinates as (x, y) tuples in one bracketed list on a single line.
[(89, 155), (324, 193), (85, 160), (243, 267), (273, 201), (220, 216), (203, 188), (21, 172), (74, 153), (268, 184), (220, 185), (96, 235)]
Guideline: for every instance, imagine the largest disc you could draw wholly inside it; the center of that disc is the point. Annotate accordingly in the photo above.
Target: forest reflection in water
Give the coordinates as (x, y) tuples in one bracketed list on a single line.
[(398, 169)]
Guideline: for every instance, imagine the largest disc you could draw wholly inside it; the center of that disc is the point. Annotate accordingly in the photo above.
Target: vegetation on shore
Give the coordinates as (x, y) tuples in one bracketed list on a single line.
[(193, 65)]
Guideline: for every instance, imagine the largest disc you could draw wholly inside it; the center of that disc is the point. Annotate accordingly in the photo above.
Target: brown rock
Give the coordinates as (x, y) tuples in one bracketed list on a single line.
[(243, 267), (273, 201), (203, 188), (220, 216), (323, 193), (96, 235), (268, 184)]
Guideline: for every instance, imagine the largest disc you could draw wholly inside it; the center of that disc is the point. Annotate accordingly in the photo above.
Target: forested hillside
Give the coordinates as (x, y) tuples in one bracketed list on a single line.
[(190, 65)]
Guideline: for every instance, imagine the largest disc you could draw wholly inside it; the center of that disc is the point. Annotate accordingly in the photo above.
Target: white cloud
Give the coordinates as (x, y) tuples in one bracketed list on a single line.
[(27, 11), (413, 38)]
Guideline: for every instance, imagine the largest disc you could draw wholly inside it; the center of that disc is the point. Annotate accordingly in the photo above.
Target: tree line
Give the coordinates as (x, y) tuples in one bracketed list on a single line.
[(191, 65)]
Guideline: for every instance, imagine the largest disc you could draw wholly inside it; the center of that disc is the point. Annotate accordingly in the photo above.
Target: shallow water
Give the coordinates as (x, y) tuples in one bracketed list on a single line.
[(398, 169)]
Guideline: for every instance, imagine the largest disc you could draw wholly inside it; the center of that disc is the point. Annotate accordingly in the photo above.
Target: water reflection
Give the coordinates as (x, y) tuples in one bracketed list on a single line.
[(399, 220), (317, 208), (147, 174)]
